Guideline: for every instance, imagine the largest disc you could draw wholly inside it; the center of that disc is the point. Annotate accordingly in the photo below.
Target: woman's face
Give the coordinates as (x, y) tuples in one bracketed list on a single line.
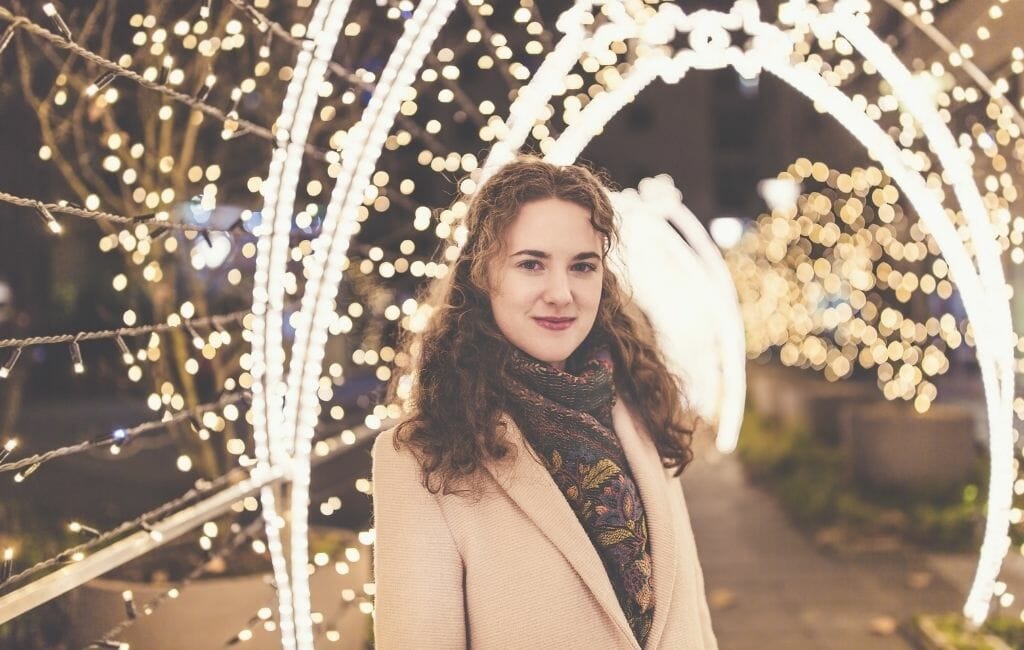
[(546, 287)]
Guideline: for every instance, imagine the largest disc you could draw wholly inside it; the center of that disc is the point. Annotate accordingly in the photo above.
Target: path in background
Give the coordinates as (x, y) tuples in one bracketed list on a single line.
[(786, 594)]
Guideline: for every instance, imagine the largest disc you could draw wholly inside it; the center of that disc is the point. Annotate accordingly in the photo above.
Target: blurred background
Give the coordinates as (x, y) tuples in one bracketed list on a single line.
[(137, 137)]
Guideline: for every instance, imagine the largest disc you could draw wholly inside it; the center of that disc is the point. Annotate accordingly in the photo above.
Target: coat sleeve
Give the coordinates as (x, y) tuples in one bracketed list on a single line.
[(418, 570)]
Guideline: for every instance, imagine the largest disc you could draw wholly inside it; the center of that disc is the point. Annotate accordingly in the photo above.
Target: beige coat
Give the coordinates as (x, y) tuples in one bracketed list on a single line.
[(516, 569)]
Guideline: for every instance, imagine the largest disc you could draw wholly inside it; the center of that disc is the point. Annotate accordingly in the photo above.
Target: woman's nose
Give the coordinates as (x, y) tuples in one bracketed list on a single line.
[(556, 290)]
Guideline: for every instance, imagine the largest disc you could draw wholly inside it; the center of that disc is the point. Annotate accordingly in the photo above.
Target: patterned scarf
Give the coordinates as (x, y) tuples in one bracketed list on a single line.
[(567, 419)]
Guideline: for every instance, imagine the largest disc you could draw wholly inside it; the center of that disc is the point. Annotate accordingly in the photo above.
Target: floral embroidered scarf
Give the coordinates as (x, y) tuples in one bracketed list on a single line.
[(567, 419)]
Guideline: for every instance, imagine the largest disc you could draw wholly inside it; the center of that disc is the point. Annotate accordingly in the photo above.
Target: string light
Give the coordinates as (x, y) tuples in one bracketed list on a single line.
[(197, 572), (140, 80), (55, 18), (208, 84), (29, 471), (8, 447), (8, 565), (78, 527), (76, 357), (158, 513), (102, 82), (129, 603), (219, 319), (121, 437), (97, 215), (49, 220), (126, 354), (8, 366), (235, 481), (8, 35)]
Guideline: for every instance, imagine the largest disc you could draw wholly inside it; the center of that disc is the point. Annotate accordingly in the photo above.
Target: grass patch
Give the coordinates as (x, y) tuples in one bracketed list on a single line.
[(949, 632)]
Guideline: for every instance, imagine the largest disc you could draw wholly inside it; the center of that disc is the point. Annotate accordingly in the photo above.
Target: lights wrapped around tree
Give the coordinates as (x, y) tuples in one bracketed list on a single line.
[(844, 278)]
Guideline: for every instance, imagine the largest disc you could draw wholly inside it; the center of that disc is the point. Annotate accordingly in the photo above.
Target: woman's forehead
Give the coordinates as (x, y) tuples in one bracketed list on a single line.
[(552, 225)]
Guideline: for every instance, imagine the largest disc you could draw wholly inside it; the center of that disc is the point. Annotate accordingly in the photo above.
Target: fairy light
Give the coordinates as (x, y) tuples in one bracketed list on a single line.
[(129, 603), (8, 366), (8, 447), (548, 78), (208, 84), (102, 82), (29, 471), (8, 565), (8, 36), (233, 124), (76, 357), (49, 220), (55, 18), (126, 354), (78, 527)]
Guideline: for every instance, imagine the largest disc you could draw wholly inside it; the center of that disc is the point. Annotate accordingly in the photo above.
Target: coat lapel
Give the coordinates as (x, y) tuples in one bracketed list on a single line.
[(649, 475), (531, 487)]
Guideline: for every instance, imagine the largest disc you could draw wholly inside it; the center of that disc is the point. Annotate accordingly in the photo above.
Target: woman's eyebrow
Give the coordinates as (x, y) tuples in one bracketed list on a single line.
[(543, 255)]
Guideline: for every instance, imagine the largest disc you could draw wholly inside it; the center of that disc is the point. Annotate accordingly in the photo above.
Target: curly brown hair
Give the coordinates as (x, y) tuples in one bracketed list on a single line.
[(457, 395)]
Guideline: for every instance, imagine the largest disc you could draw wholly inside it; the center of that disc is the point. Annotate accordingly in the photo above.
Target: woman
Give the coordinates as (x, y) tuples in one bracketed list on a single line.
[(530, 500)]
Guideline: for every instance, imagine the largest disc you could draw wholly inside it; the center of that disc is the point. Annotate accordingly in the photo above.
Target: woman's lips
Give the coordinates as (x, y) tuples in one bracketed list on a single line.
[(555, 323)]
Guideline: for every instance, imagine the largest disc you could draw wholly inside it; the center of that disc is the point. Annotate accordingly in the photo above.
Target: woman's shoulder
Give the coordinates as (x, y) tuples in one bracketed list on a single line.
[(392, 457)]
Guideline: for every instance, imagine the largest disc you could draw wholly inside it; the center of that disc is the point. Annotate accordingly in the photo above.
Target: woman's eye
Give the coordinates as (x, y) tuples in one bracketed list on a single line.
[(534, 265)]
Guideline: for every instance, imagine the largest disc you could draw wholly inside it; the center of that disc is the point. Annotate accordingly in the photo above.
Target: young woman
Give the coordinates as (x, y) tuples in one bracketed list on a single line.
[(530, 499)]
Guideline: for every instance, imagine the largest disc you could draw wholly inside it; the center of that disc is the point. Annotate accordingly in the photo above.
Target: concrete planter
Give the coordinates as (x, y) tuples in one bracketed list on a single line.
[(210, 612), (776, 392), (891, 445), (804, 398), (824, 402)]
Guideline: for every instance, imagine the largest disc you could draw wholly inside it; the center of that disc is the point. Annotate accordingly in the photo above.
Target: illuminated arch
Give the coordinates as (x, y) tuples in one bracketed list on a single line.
[(981, 289), (286, 441)]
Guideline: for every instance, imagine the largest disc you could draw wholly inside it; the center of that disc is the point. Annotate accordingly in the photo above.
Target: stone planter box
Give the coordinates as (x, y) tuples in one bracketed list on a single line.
[(776, 392), (210, 612), (804, 398), (891, 445), (825, 401)]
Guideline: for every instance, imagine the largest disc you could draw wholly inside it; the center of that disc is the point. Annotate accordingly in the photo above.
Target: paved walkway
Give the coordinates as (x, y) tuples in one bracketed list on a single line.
[(769, 587)]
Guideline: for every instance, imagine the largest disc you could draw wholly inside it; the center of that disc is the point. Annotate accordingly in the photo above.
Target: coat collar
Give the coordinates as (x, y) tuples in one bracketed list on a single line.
[(531, 487)]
